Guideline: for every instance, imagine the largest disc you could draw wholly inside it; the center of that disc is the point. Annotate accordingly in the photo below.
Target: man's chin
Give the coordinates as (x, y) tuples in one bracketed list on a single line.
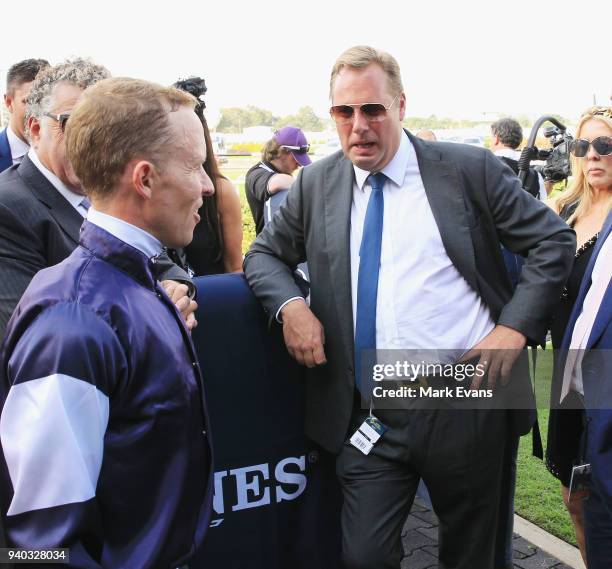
[(367, 163)]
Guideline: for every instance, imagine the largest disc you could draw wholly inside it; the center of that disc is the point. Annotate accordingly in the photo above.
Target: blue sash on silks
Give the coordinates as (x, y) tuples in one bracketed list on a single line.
[(277, 501)]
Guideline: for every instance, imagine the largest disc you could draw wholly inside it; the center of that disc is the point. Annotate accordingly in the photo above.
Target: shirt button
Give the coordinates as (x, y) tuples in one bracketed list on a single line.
[(204, 433)]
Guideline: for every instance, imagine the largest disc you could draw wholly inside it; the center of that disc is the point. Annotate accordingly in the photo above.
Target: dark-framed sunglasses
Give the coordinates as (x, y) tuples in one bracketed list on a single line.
[(373, 112), (61, 119), (297, 149), (602, 145)]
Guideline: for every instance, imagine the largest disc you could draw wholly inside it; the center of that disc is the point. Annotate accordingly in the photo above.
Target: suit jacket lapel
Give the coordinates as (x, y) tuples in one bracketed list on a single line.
[(604, 314), (61, 210), (586, 283), (443, 191), (338, 198)]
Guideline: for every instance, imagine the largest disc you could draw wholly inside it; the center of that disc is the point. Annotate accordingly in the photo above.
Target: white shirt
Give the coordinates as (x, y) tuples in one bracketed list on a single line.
[(423, 301), (515, 155), (128, 233), (19, 148), (74, 199), (600, 280)]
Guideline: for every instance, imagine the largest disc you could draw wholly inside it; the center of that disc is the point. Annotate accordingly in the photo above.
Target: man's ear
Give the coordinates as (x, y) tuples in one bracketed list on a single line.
[(402, 106), (33, 130), (8, 102), (144, 178)]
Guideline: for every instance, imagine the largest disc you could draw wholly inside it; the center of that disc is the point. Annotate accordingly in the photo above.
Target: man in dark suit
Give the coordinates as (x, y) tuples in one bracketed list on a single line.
[(402, 242), (589, 339), (42, 204), (13, 142)]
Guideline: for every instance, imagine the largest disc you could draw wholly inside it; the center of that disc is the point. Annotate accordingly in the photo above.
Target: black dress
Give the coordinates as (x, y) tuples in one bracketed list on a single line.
[(565, 425), (205, 253)]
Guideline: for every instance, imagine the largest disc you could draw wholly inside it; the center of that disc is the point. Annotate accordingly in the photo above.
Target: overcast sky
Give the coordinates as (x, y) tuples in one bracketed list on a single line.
[(458, 59)]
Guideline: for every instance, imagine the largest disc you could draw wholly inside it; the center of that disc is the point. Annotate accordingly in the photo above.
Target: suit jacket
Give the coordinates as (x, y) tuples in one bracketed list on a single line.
[(477, 203), (38, 228), (6, 160), (597, 376)]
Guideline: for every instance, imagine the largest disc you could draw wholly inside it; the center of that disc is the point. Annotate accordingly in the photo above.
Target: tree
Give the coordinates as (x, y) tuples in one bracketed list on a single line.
[(306, 119), (235, 119)]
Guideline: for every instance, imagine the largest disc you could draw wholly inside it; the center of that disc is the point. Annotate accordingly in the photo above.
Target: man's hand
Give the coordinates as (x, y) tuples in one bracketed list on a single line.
[(178, 294), (303, 333), (497, 352)]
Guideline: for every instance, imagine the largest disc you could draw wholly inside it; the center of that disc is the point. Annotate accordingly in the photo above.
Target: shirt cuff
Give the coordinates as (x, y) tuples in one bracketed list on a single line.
[(278, 312)]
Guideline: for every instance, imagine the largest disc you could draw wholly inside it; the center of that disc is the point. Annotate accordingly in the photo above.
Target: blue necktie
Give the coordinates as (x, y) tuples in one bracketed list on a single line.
[(367, 283), (85, 203)]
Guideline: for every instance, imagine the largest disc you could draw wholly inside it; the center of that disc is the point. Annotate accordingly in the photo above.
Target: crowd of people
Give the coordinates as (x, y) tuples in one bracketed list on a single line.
[(112, 201)]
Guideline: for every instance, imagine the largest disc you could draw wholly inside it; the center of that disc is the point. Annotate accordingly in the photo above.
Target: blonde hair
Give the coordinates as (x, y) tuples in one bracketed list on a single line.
[(361, 56), (115, 121), (580, 190), (272, 150)]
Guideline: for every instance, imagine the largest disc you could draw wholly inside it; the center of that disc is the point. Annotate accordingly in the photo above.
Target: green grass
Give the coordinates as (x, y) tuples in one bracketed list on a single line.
[(235, 169), (538, 494)]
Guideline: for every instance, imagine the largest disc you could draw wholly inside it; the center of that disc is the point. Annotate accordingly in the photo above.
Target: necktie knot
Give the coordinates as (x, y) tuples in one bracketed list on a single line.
[(377, 181)]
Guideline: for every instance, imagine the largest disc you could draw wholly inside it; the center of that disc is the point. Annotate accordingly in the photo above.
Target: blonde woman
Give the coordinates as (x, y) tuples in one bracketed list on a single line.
[(585, 206)]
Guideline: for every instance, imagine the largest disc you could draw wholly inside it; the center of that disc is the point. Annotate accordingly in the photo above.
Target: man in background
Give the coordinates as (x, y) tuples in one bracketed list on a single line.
[(104, 428), (13, 142), (506, 137), (282, 155), (42, 201), (426, 134)]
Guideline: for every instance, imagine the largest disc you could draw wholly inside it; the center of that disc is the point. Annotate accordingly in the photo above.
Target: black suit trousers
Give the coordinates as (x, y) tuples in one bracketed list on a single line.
[(457, 452)]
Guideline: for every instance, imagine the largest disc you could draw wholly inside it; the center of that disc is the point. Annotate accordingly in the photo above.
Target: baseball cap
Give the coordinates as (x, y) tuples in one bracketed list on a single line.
[(294, 140)]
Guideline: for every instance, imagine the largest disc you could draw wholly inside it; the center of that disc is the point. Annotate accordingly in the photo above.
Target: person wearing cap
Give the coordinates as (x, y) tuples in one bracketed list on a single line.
[(282, 155)]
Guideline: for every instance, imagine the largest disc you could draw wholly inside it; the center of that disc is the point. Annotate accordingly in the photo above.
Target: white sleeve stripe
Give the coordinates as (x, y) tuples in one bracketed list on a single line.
[(52, 434)]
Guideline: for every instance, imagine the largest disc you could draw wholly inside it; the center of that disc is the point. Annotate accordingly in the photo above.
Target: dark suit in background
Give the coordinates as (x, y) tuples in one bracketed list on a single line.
[(6, 160), (38, 228), (477, 203)]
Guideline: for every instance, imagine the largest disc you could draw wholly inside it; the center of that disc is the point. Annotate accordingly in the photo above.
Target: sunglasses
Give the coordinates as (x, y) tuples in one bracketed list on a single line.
[(297, 149), (602, 145), (61, 119), (373, 112)]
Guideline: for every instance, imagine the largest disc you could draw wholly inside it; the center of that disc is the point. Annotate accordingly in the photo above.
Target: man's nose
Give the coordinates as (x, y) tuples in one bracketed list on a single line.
[(360, 123), (208, 189)]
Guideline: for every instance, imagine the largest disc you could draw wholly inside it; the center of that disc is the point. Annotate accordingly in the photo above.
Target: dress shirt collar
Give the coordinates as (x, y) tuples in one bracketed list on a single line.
[(128, 233), (395, 170), (19, 148), (73, 198), (507, 153)]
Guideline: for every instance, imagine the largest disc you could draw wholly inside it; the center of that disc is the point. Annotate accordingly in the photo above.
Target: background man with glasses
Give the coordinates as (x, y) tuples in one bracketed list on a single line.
[(42, 204), (402, 242), (282, 155)]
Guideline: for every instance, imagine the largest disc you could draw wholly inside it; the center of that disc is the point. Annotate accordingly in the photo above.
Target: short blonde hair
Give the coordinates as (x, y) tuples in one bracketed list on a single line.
[(580, 191), (361, 56), (116, 121)]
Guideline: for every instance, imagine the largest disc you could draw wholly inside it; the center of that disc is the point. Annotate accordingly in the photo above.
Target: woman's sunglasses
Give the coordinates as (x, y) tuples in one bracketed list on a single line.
[(602, 145), (373, 112)]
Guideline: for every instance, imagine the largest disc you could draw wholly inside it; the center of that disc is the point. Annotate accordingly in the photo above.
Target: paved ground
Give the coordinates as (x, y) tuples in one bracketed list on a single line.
[(420, 540)]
